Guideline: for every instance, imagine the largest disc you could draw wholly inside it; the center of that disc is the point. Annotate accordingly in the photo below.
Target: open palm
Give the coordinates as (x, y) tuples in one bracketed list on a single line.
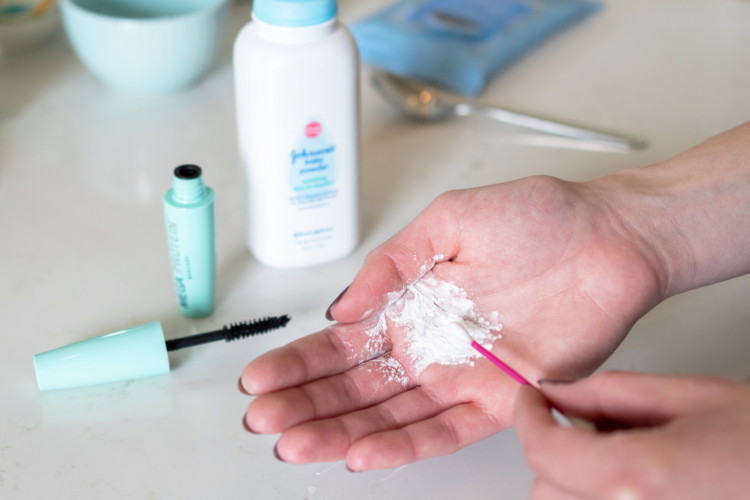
[(558, 265)]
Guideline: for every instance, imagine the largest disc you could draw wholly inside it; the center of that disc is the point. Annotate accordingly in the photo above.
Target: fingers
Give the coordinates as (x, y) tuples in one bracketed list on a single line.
[(636, 399), (360, 387), (331, 439), (400, 261), (329, 352), (559, 455), (698, 449), (445, 433), (601, 465), (410, 426)]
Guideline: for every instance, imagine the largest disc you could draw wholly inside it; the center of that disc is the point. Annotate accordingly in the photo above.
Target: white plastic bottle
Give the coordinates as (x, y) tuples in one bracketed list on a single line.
[(297, 95)]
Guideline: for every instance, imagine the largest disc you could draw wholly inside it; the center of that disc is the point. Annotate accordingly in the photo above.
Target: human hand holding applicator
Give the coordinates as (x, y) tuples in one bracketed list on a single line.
[(568, 267), (677, 437)]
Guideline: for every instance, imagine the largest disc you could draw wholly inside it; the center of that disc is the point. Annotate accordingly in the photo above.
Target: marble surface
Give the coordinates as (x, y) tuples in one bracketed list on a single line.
[(83, 252)]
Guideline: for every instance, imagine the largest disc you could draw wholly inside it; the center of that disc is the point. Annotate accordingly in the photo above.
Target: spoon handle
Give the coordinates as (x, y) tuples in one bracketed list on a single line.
[(550, 127)]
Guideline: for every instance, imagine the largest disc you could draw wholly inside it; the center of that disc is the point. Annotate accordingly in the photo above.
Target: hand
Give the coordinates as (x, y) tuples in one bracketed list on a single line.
[(559, 266), (679, 437)]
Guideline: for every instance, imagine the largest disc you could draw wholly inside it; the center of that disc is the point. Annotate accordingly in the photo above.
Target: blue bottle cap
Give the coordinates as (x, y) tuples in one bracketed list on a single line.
[(295, 13), (128, 354)]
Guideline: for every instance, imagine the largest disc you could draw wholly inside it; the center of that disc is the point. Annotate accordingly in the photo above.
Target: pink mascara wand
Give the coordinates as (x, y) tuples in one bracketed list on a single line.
[(493, 359)]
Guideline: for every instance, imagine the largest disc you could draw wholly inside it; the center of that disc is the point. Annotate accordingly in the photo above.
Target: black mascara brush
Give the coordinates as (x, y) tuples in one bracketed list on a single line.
[(137, 352), (230, 332)]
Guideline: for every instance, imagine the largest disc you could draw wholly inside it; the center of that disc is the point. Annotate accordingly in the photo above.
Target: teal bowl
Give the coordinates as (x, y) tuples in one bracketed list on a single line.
[(146, 46)]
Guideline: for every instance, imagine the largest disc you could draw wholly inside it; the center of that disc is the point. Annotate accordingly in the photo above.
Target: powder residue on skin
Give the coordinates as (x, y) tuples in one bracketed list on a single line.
[(376, 338), (391, 368), (427, 311), (427, 266)]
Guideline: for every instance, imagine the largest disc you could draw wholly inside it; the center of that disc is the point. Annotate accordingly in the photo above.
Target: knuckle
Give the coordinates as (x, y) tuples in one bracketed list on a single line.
[(447, 197)]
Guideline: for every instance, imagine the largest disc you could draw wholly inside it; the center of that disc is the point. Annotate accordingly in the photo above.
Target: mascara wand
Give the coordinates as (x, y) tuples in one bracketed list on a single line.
[(230, 332), (136, 352)]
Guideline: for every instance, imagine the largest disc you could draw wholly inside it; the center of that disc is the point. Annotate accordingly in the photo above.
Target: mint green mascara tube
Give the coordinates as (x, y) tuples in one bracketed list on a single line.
[(189, 218)]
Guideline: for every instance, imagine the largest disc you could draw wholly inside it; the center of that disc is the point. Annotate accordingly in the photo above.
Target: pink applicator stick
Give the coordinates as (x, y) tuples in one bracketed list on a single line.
[(493, 359), (497, 362), (568, 420)]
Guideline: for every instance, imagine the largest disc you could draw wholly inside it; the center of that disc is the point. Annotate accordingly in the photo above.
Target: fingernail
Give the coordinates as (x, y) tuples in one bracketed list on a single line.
[(241, 388), (276, 453), (560, 381), (329, 317)]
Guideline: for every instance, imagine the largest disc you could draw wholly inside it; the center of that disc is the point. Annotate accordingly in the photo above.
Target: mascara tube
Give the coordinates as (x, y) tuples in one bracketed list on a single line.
[(189, 217)]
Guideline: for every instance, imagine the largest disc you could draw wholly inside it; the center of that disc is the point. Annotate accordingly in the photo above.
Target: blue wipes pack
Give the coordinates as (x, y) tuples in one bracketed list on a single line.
[(461, 44)]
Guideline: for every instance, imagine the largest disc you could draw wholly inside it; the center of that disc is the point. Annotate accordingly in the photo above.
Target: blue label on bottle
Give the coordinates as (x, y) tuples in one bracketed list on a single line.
[(313, 168)]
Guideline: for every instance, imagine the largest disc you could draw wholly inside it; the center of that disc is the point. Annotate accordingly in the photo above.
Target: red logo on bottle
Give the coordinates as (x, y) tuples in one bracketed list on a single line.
[(313, 130)]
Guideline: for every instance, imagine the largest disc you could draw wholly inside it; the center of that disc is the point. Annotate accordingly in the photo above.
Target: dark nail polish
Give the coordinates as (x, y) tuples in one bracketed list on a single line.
[(329, 317), (276, 453), (559, 381)]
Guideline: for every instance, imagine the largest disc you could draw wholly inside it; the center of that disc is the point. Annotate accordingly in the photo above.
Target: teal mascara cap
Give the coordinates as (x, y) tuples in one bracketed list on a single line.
[(124, 355), (130, 354)]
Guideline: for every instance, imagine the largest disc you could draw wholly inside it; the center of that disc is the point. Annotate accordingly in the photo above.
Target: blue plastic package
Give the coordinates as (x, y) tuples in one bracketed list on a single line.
[(461, 44)]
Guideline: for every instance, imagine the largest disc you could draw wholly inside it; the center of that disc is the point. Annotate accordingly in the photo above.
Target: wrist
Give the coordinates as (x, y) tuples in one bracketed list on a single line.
[(634, 206), (689, 215)]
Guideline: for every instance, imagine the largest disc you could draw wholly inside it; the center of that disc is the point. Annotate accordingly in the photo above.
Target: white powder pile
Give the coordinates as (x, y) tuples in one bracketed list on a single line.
[(427, 310)]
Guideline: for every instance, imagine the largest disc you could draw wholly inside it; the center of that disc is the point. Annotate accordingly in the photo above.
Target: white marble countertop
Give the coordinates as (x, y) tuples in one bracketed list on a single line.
[(83, 252)]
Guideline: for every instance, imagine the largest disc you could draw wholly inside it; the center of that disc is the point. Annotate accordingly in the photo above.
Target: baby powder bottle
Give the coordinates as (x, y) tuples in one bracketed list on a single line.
[(297, 96)]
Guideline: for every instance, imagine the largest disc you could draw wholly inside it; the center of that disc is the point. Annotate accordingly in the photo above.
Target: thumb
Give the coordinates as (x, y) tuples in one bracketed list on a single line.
[(633, 398), (429, 239)]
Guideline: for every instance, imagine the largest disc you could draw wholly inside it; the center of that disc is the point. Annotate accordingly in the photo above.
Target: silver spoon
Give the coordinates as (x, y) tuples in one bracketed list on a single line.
[(422, 102)]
